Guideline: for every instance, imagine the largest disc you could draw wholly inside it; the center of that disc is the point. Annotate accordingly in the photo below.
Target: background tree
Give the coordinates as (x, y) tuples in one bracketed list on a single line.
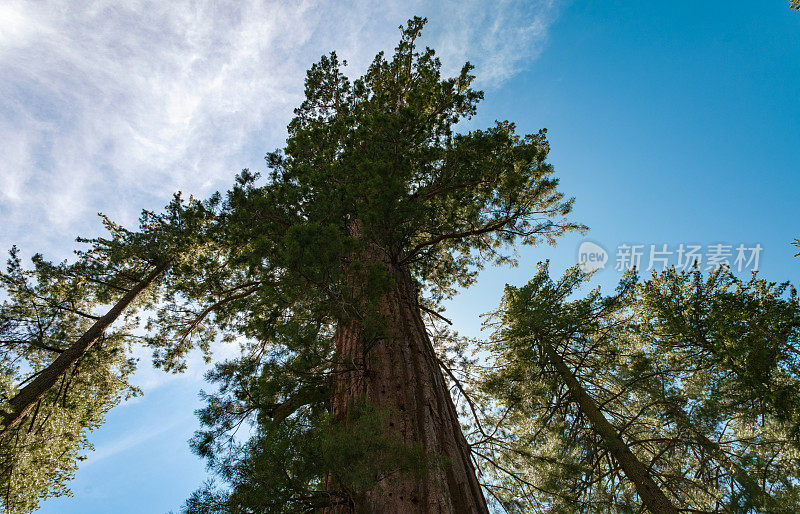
[(46, 311), (664, 362), (65, 334), (732, 345)]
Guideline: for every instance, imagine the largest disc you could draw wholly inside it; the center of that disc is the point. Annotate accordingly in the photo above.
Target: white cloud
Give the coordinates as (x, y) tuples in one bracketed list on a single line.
[(110, 106), (149, 378), (17, 27), (129, 441)]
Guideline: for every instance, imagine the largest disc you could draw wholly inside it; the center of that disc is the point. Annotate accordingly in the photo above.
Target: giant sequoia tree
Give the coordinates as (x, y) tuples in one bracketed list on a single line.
[(679, 393), (374, 212)]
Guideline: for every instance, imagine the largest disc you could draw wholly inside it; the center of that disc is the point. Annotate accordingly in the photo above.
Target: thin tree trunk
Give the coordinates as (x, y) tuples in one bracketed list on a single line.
[(400, 373), (29, 395), (652, 496)]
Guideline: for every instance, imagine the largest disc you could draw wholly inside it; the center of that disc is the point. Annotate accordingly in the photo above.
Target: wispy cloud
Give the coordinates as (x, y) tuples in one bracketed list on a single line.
[(109, 106), (130, 441), (149, 378)]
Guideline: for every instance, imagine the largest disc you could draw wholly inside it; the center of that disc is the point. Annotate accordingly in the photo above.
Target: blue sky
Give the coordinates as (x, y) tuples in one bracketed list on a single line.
[(670, 122)]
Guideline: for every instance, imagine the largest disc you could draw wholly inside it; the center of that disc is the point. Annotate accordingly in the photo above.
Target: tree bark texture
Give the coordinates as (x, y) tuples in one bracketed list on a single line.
[(401, 374)]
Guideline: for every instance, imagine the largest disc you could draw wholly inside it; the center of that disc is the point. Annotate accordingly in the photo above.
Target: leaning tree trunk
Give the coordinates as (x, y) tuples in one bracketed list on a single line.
[(400, 374), (651, 495), (28, 396)]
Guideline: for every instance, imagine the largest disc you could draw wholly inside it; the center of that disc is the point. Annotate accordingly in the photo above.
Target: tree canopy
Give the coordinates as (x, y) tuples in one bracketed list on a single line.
[(696, 375), (351, 393)]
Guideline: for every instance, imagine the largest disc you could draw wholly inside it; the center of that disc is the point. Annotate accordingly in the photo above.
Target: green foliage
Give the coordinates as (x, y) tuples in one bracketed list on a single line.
[(375, 165), (286, 465), (39, 458), (697, 374), (733, 342), (373, 182), (45, 310)]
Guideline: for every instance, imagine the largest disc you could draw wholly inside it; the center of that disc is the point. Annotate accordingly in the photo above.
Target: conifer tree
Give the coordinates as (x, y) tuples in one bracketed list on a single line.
[(682, 383), (46, 311), (375, 211), (66, 331)]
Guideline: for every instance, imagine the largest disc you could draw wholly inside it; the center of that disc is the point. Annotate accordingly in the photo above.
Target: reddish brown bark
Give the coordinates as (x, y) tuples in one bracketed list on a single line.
[(400, 373)]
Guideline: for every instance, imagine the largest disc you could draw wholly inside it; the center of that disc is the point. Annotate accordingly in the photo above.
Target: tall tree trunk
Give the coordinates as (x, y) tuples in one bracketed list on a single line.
[(652, 496), (29, 395), (400, 373)]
